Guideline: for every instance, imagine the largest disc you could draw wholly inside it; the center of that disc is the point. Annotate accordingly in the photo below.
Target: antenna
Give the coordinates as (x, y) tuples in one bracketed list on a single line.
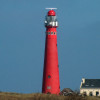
[(50, 8)]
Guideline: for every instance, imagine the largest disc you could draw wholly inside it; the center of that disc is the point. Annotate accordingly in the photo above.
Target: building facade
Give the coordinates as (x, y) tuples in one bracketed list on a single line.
[(90, 87)]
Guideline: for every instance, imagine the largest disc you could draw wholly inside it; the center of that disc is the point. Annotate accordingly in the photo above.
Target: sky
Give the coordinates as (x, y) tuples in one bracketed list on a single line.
[(22, 43)]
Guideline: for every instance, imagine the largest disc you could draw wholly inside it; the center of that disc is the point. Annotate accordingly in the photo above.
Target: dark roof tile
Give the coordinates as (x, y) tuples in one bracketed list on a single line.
[(91, 83)]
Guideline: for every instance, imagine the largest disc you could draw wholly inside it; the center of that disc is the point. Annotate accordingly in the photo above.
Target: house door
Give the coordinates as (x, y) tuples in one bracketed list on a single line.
[(90, 94)]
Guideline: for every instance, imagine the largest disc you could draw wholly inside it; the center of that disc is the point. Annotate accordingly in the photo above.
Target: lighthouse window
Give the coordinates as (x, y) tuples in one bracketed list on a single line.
[(51, 32), (48, 87), (59, 87), (54, 33), (58, 65), (49, 76)]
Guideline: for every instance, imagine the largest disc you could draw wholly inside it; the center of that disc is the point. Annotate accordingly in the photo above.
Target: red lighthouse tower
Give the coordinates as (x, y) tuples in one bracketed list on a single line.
[(51, 83)]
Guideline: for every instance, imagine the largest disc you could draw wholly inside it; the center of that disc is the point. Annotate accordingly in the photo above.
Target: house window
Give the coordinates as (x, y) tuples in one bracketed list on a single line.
[(97, 93), (90, 94), (84, 93)]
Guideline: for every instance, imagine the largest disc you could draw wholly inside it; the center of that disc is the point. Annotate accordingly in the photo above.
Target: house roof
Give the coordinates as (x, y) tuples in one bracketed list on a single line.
[(91, 83), (66, 91)]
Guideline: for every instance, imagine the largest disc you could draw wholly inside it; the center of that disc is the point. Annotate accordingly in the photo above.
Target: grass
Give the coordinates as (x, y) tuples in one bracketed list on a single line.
[(40, 96)]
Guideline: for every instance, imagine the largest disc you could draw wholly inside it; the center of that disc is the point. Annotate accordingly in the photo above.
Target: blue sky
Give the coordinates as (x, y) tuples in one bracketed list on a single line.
[(22, 43)]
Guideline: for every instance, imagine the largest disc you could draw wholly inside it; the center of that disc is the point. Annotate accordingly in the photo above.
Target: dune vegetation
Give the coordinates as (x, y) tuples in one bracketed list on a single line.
[(40, 96)]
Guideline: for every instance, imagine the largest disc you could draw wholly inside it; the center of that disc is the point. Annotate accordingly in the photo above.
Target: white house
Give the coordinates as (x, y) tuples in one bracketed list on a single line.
[(90, 87)]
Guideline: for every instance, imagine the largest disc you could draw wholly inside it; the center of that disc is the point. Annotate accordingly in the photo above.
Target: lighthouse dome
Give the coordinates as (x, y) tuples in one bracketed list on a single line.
[(51, 13)]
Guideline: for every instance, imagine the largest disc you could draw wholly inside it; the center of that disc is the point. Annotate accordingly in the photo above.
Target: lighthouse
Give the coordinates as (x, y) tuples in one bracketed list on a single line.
[(51, 82)]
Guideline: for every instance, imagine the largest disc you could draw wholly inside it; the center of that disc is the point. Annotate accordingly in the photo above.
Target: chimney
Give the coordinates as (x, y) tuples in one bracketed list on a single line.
[(83, 80)]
